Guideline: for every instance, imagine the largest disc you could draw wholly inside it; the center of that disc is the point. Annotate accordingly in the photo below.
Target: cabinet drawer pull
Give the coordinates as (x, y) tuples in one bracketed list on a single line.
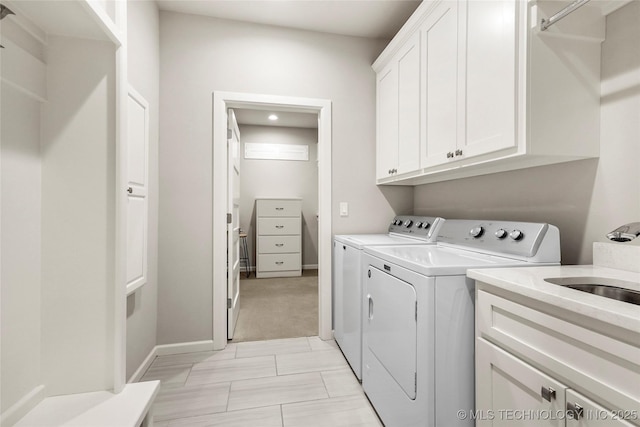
[(575, 411), (547, 393), (279, 209), (279, 245), (458, 152), (279, 262), (279, 226), (449, 155)]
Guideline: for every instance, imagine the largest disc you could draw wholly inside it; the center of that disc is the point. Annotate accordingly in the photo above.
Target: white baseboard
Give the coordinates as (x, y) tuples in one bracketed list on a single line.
[(19, 409), (169, 349), (304, 267)]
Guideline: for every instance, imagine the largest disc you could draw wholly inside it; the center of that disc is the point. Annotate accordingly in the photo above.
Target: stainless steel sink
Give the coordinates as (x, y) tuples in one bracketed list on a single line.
[(609, 288)]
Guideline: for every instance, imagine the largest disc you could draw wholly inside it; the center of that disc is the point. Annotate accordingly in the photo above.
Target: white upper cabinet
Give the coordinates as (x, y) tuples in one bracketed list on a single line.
[(398, 112), (494, 92), (440, 80)]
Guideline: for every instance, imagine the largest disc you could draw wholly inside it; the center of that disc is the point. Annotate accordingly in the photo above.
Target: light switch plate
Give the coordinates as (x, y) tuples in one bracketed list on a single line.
[(344, 209)]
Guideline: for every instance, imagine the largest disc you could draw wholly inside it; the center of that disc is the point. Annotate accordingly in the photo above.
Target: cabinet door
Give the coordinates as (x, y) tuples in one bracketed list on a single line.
[(440, 65), (488, 53), (508, 388), (409, 105), (582, 412), (387, 121)]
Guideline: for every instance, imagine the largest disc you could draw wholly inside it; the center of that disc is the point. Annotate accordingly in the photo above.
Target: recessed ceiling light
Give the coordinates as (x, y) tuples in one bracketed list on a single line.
[(273, 117)]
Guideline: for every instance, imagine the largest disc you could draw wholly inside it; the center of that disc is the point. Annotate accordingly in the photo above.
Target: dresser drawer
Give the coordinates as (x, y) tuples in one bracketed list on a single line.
[(266, 207), (279, 226), (279, 262), (278, 244)]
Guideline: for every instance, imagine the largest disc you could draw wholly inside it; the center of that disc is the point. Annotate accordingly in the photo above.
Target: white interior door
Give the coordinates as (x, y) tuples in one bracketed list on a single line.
[(233, 224), (137, 189)]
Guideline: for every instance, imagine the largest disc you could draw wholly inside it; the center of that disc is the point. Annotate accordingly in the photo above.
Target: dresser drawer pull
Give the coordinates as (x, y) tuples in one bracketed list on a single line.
[(279, 245), (279, 262), (547, 393), (279, 226), (279, 209)]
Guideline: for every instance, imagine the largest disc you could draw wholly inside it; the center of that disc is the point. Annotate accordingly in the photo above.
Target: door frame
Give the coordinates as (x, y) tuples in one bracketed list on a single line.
[(221, 102)]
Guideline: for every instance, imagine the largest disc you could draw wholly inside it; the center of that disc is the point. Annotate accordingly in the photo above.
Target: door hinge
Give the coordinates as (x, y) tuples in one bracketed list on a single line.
[(228, 302), (229, 218), (229, 133)]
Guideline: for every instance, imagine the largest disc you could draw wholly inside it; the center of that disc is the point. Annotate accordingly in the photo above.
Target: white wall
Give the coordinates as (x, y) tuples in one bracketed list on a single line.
[(20, 195), (199, 55), (144, 75), (78, 216), (585, 199), (280, 179)]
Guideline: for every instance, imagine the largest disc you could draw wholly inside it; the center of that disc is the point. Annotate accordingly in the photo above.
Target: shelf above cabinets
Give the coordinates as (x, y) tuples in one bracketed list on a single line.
[(487, 90)]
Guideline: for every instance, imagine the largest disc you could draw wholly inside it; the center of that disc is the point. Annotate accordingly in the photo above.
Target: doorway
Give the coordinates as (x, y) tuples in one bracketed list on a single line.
[(322, 108)]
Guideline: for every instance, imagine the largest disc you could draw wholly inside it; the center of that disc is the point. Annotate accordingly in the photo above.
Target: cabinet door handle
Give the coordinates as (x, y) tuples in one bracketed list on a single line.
[(547, 393), (449, 155), (370, 315), (575, 410), (130, 190), (458, 152)]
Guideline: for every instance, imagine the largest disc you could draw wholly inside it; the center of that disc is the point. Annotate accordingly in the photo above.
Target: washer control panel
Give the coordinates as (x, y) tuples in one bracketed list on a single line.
[(508, 237), (425, 227)]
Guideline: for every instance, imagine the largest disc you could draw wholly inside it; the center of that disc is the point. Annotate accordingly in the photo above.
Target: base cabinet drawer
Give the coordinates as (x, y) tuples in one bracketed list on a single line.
[(279, 226), (278, 262), (278, 244), (273, 207)]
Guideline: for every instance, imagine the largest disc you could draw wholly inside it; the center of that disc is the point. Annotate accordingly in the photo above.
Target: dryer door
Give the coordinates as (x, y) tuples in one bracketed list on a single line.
[(391, 327)]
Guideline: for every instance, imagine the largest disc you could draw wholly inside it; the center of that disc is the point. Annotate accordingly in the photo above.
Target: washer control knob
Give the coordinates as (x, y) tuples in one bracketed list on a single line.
[(426, 225), (408, 223), (501, 233), (516, 235), (419, 224), (476, 232), (397, 222)]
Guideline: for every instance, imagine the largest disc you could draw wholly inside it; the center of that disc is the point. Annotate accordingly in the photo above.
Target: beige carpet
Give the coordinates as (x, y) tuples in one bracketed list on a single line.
[(278, 308)]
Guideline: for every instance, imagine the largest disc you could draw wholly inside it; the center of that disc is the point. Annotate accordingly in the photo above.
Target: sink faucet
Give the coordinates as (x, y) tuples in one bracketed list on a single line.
[(625, 233)]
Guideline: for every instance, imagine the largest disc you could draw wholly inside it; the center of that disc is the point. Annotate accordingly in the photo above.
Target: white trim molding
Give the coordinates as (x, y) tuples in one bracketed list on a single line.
[(221, 102), (22, 407)]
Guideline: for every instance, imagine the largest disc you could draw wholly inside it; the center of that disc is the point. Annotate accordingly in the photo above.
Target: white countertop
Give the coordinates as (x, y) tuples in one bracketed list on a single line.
[(529, 282)]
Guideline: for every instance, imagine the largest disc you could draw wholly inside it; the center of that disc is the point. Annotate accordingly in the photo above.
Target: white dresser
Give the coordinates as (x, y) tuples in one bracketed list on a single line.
[(278, 238)]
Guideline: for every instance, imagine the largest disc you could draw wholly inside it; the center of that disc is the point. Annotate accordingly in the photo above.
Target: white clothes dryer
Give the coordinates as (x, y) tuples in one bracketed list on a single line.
[(418, 331), (347, 277)]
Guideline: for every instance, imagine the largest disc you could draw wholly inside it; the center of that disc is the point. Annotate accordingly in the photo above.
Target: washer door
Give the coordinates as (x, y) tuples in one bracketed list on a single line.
[(391, 326)]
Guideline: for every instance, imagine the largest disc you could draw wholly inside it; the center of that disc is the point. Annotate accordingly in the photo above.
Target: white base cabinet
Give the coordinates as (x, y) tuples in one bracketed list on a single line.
[(539, 367), (279, 247), (488, 91)]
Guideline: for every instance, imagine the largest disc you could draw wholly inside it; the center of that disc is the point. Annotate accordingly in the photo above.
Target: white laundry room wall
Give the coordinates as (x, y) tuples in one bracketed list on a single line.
[(143, 63), (284, 179), (585, 199), (200, 55)]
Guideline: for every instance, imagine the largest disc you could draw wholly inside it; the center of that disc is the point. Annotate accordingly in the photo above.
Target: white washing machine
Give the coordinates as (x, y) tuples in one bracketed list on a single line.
[(347, 277), (418, 331)]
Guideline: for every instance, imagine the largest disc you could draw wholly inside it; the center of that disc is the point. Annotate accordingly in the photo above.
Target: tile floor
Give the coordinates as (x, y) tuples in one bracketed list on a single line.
[(281, 383)]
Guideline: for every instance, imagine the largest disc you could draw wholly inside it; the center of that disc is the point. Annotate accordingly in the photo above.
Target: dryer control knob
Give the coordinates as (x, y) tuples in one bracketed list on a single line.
[(501, 233), (516, 235), (476, 232), (408, 223)]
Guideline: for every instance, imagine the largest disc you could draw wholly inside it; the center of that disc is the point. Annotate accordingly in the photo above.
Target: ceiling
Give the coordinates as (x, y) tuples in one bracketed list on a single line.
[(362, 18), (246, 116)]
